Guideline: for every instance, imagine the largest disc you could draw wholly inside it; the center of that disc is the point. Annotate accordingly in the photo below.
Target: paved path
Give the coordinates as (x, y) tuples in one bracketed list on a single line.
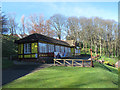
[(18, 71)]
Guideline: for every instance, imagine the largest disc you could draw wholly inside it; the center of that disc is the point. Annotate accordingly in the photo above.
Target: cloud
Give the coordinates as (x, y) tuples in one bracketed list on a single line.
[(87, 11)]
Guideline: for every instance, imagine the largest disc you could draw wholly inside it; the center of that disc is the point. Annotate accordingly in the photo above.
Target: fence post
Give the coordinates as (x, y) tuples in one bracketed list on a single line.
[(72, 63), (91, 63), (82, 63), (54, 62), (64, 62)]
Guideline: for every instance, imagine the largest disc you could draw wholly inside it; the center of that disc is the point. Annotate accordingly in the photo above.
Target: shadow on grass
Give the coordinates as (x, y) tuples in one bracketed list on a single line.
[(16, 72), (111, 69)]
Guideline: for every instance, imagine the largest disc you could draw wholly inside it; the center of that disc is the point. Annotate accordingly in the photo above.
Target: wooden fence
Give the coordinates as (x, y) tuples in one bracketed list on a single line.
[(73, 62)]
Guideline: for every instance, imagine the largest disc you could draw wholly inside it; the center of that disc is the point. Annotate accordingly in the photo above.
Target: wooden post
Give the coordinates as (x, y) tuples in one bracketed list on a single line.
[(91, 52), (38, 49), (54, 62), (64, 62), (82, 63), (23, 50), (91, 63), (72, 63)]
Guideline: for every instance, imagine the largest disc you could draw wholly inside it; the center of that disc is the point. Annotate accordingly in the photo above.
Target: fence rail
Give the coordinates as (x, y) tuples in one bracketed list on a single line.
[(73, 62)]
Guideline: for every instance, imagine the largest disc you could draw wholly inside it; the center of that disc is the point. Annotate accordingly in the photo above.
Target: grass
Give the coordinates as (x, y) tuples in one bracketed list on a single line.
[(101, 76), (6, 63), (103, 57), (110, 60)]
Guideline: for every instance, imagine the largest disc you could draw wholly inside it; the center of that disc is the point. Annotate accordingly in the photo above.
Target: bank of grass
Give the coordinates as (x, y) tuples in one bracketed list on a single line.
[(101, 76), (109, 60), (6, 63)]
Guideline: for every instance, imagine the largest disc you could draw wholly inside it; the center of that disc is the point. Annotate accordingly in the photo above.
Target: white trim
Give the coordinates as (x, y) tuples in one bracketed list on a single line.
[(27, 51)]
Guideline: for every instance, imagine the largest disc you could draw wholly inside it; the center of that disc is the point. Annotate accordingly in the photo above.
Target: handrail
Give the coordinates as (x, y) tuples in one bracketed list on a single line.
[(73, 61)]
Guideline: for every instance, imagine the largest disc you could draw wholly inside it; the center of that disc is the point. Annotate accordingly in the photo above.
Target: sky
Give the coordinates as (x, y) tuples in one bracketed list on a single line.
[(105, 10)]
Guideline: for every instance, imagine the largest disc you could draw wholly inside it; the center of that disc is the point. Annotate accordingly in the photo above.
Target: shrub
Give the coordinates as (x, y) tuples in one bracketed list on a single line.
[(8, 45), (106, 62)]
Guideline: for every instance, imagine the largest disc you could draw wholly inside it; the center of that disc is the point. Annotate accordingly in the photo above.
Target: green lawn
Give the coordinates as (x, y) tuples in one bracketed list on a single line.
[(7, 63), (101, 76)]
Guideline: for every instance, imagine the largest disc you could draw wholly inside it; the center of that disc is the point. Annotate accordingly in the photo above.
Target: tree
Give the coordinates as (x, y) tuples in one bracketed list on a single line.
[(3, 23), (12, 24), (23, 24), (37, 24), (57, 22), (49, 32), (73, 27)]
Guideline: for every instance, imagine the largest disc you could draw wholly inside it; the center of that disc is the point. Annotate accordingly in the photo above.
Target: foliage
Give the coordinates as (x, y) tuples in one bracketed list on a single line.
[(8, 45), (6, 63), (101, 76)]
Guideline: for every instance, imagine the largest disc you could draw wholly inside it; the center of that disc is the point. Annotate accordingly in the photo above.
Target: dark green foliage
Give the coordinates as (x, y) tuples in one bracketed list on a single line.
[(6, 63), (8, 45)]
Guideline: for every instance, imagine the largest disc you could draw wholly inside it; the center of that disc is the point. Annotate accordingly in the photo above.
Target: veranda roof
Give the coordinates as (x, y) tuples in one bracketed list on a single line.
[(39, 37)]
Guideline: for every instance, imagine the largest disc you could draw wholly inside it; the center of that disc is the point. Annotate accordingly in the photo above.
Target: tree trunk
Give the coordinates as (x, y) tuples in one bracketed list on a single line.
[(91, 44), (112, 49), (100, 47), (115, 49), (95, 47), (86, 47)]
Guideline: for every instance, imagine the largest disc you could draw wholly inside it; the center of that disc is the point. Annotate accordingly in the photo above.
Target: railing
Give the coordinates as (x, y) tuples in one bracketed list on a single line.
[(73, 62)]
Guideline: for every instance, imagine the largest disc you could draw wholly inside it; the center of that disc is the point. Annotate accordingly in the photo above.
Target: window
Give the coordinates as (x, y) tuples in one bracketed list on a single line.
[(51, 47), (69, 50), (27, 48), (57, 48), (43, 48), (62, 48), (66, 49)]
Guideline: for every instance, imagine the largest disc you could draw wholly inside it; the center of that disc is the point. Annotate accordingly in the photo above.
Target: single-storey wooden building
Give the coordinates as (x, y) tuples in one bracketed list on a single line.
[(37, 47)]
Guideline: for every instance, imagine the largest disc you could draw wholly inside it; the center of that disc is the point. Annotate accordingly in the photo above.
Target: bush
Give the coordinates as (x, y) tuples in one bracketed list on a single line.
[(106, 62), (8, 45), (6, 63)]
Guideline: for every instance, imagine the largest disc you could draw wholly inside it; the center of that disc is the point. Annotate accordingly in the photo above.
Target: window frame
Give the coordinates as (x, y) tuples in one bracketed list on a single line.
[(27, 48)]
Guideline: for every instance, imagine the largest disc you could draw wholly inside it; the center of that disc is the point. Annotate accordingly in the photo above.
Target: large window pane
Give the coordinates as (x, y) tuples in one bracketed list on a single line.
[(62, 49), (43, 48), (57, 48), (69, 50), (51, 47), (66, 50)]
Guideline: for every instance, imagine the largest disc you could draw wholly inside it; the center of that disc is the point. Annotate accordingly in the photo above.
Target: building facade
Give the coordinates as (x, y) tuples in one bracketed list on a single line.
[(37, 47)]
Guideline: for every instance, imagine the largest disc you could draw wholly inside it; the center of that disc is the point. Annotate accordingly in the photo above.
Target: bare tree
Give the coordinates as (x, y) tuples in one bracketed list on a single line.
[(23, 24), (37, 24), (12, 24), (58, 24)]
